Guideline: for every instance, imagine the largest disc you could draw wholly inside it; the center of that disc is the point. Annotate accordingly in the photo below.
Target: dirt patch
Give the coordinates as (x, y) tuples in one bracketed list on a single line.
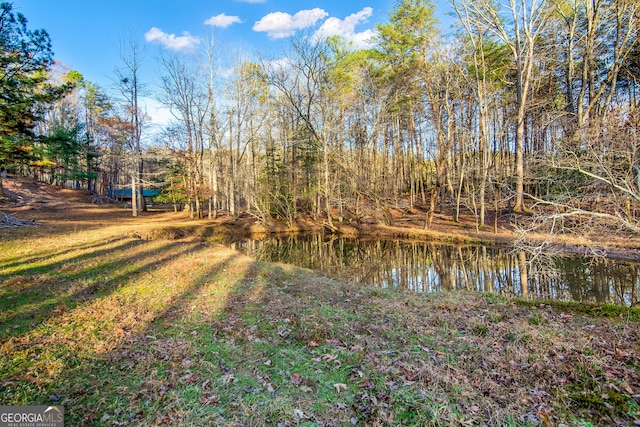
[(25, 194)]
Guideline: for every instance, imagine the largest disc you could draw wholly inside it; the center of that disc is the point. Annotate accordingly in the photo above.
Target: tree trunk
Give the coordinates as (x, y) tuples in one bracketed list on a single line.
[(520, 130), (215, 191), (432, 207), (142, 206), (134, 198), (327, 199), (524, 277), (496, 212)]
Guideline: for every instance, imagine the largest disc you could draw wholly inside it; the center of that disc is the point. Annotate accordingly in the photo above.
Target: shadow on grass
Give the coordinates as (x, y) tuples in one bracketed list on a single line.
[(86, 284), (133, 380), (99, 252), (42, 359), (232, 365), (42, 257)]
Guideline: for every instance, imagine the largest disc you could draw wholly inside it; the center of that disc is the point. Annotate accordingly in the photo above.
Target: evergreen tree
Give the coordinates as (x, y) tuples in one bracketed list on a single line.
[(25, 59)]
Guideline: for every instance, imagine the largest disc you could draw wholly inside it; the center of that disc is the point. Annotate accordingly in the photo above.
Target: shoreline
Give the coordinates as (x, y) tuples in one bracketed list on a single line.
[(45, 203)]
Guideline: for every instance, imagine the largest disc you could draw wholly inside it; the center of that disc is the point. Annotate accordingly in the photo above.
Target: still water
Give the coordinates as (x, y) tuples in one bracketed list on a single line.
[(431, 267)]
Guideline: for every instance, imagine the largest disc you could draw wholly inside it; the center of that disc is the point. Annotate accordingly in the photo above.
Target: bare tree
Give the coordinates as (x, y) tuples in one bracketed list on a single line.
[(518, 24), (131, 55), (301, 81), (187, 96), (482, 79)]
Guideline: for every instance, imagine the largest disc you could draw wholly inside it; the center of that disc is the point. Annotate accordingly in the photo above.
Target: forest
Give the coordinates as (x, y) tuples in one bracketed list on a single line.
[(529, 106)]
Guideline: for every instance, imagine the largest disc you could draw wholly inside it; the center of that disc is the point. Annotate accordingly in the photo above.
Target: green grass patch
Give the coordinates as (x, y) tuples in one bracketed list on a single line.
[(589, 309)]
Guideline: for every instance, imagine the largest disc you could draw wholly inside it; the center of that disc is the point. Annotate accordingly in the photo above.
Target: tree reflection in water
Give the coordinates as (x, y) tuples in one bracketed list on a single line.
[(431, 267)]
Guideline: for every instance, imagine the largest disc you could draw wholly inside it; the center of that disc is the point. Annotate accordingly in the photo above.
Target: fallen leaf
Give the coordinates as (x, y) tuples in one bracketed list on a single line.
[(305, 389), (626, 387), (366, 383), (406, 381), (298, 413), (545, 416), (296, 379), (283, 332), (340, 386), (206, 399)]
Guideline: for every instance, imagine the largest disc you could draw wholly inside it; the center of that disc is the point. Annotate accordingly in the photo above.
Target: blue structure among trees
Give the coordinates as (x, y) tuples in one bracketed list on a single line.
[(125, 193)]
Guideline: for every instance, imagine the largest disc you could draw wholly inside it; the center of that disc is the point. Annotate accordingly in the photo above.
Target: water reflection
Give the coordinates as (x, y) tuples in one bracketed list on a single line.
[(429, 267)]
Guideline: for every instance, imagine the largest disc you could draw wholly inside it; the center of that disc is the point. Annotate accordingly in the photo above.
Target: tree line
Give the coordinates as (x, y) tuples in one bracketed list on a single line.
[(528, 106)]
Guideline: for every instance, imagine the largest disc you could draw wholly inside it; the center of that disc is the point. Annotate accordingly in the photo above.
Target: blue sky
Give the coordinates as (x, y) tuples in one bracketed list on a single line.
[(86, 33)]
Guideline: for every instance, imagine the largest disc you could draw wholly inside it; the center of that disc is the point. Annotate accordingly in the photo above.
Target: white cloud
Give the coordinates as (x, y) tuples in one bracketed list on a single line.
[(364, 39), (278, 25), (280, 68), (347, 28), (277, 66), (252, 1), (160, 114), (226, 72), (222, 21), (184, 43)]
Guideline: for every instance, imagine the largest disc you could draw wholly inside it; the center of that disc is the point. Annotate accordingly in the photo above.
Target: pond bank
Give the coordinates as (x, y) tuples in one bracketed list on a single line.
[(42, 202), (141, 322), (411, 226)]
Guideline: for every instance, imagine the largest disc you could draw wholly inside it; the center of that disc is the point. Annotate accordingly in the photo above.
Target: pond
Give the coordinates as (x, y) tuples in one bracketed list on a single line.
[(431, 267)]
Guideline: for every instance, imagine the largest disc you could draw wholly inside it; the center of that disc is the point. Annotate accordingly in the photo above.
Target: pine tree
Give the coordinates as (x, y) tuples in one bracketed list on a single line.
[(25, 59)]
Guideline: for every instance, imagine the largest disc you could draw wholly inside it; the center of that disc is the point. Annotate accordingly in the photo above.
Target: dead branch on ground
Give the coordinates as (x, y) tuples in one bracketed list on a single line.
[(9, 221)]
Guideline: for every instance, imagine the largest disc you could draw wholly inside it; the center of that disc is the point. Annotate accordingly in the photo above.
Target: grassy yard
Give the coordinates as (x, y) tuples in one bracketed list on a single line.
[(139, 322)]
